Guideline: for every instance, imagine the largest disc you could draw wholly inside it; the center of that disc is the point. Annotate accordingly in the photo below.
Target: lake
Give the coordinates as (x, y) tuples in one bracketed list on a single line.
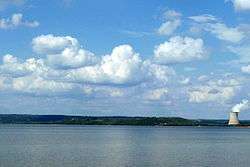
[(123, 146)]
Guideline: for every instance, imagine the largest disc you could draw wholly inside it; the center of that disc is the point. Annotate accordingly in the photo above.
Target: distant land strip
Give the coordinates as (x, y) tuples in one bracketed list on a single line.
[(110, 120)]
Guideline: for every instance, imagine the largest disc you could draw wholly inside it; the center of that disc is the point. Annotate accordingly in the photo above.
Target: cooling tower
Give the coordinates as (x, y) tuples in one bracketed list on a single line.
[(233, 119)]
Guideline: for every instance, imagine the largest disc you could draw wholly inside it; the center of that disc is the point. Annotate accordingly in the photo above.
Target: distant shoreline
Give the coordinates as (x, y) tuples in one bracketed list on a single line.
[(111, 120)]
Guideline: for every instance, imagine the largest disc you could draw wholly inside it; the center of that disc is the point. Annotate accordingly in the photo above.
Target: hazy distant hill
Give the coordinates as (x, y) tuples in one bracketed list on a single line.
[(85, 120)]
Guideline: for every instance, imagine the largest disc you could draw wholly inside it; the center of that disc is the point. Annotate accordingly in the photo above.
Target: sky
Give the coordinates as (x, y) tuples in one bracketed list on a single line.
[(187, 58)]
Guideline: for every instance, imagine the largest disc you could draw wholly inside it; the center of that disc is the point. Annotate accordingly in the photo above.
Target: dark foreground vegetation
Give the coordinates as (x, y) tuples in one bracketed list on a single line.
[(85, 120)]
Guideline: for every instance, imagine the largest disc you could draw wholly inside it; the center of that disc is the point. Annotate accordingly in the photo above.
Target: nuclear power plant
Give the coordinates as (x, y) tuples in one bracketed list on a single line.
[(233, 119), (236, 109)]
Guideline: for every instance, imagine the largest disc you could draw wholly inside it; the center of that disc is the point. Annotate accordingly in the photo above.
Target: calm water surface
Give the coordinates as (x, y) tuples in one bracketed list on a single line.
[(118, 146)]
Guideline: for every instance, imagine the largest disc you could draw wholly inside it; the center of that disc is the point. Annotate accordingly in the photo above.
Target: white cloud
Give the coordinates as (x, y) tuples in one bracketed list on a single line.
[(156, 94), (204, 18), (180, 49), (169, 27), (241, 5), (8, 59), (117, 68), (246, 69), (208, 94), (104, 91), (3, 83), (203, 78), (242, 51), (225, 82), (50, 44), (158, 72), (214, 90), (221, 31), (38, 85), (29, 76), (13, 67), (122, 66), (185, 81), (71, 58), (63, 51), (172, 22), (15, 21), (171, 14), (116, 93), (122, 69), (34, 84)]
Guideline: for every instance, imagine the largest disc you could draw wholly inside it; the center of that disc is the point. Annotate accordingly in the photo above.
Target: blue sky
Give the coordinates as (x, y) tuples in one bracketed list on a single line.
[(186, 58)]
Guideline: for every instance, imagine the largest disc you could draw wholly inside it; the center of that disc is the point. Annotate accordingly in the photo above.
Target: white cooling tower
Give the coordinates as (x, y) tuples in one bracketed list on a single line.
[(233, 118)]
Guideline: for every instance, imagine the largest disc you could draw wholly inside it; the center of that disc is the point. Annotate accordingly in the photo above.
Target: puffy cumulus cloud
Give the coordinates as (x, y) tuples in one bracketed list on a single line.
[(117, 68), (104, 91), (122, 66), (4, 83), (38, 85), (29, 76), (172, 22), (71, 58), (214, 90), (180, 49), (15, 21), (8, 59), (63, 51), (13, 67), (158, 72), (220, 30), (156, 94), (35, 84), (50, 44), (208, 94), (241, 5), (246, 69)]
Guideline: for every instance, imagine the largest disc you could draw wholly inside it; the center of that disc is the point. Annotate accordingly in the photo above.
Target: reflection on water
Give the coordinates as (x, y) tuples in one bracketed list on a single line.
[(115, 146)]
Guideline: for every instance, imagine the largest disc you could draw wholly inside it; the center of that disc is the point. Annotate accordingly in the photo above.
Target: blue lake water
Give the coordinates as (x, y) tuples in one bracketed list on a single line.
[(118, 146)]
